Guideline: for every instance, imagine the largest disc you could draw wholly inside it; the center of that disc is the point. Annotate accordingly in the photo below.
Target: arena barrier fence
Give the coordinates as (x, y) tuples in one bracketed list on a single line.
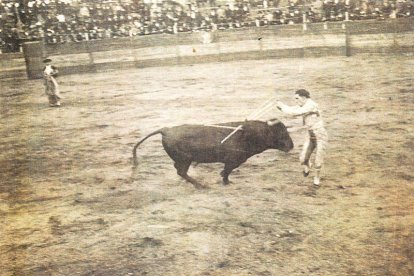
[(277, 41), (12, 65)]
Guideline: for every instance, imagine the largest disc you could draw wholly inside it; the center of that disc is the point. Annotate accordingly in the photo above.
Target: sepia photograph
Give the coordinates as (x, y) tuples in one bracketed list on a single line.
[(207, 137)]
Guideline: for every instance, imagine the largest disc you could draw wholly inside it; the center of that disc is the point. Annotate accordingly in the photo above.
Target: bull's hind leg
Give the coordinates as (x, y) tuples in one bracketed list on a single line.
[(182, 170), (228, 168)]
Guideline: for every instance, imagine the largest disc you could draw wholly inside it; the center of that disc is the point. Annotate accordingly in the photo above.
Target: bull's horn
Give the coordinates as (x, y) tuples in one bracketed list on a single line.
[(272, 122)]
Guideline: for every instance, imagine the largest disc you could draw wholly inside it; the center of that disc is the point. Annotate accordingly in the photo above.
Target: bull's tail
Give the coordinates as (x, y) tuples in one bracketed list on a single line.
[(134, 151)]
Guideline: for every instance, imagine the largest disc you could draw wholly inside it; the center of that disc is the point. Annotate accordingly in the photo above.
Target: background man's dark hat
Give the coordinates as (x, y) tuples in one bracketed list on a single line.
[(47, 60)]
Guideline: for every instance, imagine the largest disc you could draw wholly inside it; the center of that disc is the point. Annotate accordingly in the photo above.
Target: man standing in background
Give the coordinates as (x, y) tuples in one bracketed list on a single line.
[(51, 86)]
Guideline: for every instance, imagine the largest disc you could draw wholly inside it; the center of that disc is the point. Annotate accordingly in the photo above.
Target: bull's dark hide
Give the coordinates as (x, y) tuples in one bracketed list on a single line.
[(202, 144)]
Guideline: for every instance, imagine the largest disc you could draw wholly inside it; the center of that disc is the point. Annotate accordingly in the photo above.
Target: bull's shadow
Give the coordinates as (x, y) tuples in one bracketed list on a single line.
[(137, 173), (186, 144)]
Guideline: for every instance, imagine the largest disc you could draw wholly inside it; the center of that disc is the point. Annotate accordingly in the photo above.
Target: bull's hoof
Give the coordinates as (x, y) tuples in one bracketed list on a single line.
[(226, 182), (201, 187), (198, 185), (195, 183), (306, 173)]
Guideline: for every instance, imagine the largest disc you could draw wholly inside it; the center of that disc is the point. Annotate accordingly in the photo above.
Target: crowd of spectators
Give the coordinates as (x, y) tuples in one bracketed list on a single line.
[(60, 21)]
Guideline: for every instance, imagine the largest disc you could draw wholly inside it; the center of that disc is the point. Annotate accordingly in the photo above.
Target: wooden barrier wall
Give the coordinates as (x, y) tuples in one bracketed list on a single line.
[(12, 65), (278, 41)]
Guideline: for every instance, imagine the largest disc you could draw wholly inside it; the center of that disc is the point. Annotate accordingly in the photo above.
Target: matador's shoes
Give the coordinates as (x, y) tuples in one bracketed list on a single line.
[(306, 172)]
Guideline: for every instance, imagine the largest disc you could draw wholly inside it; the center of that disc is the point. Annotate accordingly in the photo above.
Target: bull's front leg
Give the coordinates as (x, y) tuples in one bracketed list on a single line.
[(228, 168)]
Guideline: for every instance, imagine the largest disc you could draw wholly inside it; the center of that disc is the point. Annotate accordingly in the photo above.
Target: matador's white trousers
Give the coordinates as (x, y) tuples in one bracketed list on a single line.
[(317, 141)]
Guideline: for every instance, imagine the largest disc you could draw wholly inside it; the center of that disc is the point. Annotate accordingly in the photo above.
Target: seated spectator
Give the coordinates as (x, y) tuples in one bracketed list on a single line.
[(60, 21)]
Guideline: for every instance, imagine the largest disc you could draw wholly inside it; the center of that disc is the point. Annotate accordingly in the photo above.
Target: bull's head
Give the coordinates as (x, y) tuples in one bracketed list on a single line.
[(280, 138)]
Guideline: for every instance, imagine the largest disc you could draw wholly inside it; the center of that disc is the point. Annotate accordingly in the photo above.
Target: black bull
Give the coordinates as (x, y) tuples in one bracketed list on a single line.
[(202, 144)]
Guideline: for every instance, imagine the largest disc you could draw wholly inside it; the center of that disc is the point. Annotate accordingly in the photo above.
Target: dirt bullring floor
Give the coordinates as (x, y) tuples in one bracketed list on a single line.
[(71, 203)]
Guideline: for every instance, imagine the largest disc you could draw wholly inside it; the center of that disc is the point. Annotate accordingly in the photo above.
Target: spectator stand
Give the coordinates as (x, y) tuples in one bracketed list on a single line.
[(63, 21)]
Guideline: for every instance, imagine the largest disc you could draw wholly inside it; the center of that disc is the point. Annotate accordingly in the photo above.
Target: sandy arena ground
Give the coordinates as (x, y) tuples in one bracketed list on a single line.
[(71, 203)]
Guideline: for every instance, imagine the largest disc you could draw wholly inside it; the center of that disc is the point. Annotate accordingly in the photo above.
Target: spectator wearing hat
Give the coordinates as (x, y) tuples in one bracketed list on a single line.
[(317, 137), (51, 86)]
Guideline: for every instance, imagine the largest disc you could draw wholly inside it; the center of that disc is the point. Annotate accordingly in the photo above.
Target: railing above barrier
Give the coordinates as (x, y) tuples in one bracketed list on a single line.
[(338, 38)]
